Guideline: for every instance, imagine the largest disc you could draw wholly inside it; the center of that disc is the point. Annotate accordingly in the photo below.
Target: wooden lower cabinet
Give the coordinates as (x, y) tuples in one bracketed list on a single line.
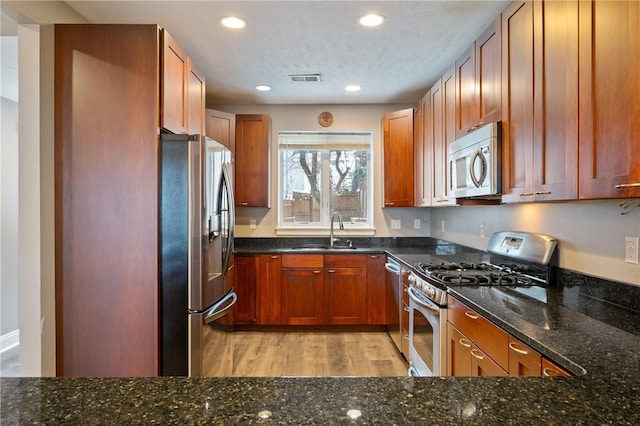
[(310, 289), (269, 290), (302, 296), (523, 361), (464, 358), (345, 289), (477, 347), (245, 287), (377, 290), (551, 369)]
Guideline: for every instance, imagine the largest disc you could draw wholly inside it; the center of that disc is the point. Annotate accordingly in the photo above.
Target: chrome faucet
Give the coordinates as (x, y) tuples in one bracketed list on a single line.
[(340, 224)]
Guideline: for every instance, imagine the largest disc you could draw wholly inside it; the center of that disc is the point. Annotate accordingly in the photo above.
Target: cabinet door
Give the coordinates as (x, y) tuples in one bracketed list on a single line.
[(555, 150), (398, 158), (221, 127), (424, 155), (517, 104), (467, 114), (253, 161), (488, 74), (173, 115), (540, 130), (245, 287), (483, 365), (376, 290), (443, 132), (551, 369), (458, 353), (269, 290), (345, 291), (195, 100), (609, 99), (302, 296), (523, 361), (418, 150)]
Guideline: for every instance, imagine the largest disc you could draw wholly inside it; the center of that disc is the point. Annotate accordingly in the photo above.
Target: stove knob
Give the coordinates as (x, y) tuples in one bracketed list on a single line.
[(430, 292), (412, 279)]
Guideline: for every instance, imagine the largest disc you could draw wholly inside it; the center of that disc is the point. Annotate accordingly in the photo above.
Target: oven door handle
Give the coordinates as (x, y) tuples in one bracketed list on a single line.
[(429, 306)]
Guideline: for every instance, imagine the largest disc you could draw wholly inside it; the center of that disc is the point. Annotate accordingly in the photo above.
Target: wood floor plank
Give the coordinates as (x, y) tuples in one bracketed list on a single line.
[(310, 353)]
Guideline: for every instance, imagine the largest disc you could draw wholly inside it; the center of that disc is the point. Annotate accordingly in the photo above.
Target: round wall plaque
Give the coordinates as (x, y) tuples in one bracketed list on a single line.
[(325, 119)]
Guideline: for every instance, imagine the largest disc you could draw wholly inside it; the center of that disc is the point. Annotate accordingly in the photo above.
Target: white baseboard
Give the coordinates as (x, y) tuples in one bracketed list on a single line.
[(9, 340)]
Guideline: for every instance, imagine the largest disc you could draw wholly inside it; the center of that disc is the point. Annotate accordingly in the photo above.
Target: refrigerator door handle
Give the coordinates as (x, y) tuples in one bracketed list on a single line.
[(225, 184), (217, 311)]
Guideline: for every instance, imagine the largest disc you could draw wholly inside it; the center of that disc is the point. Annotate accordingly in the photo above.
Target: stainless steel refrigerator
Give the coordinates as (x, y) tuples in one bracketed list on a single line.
[(196, 220)]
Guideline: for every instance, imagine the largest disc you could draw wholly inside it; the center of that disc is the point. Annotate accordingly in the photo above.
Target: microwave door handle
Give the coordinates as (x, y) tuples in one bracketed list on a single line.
[(477, 155)]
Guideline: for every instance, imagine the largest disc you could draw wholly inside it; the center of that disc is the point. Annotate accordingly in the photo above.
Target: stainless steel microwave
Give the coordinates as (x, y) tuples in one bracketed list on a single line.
[(475, 163)]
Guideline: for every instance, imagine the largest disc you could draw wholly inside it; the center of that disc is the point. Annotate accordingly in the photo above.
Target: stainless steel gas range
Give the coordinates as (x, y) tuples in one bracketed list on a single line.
[(516, 260)]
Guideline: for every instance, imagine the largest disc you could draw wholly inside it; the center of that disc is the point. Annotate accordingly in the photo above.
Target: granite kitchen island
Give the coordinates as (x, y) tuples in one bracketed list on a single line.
[(597, 341)]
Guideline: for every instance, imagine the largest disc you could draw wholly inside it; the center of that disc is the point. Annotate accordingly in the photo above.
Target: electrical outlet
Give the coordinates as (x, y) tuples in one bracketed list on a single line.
[(416, 223), (252, 223), (395, 224), (442, 226), (631, 250), (483, 234)]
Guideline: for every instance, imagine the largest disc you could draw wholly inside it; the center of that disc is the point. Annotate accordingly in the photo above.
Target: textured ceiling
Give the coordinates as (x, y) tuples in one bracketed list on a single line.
[(394, 63)]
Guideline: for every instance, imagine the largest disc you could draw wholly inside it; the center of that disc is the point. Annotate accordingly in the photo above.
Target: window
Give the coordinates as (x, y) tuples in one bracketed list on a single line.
[(323, 172)]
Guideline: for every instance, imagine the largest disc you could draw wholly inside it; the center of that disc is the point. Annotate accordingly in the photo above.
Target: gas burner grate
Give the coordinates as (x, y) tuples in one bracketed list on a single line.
[(480, 274)]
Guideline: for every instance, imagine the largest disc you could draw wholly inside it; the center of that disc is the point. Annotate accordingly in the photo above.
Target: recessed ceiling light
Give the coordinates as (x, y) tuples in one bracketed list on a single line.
[(372, 20), (352, 88), (233, 22), (263, 88)]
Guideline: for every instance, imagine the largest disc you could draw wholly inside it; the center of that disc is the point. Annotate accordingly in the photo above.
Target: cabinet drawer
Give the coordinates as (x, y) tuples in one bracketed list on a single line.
[(345, 260), (488, 337), (302, 260)]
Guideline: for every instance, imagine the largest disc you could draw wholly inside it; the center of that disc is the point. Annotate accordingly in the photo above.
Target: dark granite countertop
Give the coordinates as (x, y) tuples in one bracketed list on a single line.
[(573, 327)]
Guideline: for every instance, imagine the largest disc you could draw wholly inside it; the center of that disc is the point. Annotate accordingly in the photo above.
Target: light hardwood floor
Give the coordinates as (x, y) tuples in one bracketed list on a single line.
[(305, 353)]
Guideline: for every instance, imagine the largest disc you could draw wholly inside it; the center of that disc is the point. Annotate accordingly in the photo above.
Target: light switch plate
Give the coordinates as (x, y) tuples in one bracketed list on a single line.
[(395, 224), (252, 223), (416, 223)]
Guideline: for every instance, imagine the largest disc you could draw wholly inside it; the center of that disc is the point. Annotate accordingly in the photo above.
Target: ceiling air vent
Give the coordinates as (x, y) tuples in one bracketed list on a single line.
[(304, 77)]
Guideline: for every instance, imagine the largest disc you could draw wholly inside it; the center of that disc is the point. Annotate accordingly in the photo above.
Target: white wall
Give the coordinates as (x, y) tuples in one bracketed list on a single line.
[(590, 233), (346, 117), (9, 217)]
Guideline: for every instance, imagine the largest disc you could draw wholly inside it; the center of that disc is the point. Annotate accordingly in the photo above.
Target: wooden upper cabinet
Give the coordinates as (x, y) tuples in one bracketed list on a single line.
[(221, 127), (609, 161), (398, 158), (173, 116), (478, 81), (418, 151), (195, 100), (253, 161), (540, 101), (442, 133), (424, 154)]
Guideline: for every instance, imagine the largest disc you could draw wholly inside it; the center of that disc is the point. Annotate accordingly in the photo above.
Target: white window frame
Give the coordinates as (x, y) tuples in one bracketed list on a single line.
[(322, 229)]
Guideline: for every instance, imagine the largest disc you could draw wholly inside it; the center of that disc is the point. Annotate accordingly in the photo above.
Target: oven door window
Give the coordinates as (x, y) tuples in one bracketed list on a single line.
[(424, 336)]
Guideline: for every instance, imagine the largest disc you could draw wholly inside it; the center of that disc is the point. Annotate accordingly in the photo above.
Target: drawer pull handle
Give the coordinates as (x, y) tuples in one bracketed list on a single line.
[(389, 204), (465, 343), (405, 337), (476, 354), (627, 185), (512, 346), (331, 271), (542, 192), (406, 309), (244, 204), (374, 256), (550, 372), (526, 194), (471, 315), (274, 257), (316, 272)]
